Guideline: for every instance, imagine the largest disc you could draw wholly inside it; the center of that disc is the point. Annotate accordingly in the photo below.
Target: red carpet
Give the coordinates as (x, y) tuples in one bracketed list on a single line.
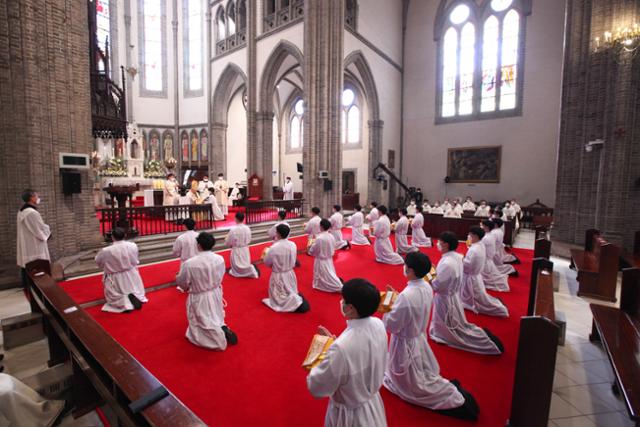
[(260, 381)]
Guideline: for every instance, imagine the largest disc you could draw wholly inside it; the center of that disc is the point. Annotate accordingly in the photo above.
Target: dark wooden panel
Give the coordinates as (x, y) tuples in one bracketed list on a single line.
[(435, 224)]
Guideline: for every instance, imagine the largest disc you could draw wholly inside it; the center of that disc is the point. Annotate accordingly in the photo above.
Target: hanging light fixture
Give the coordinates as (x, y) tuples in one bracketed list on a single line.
[(623, 39)]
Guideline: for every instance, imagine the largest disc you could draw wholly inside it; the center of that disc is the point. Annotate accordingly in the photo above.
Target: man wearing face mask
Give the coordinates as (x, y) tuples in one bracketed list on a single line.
[(352, 371), (448, 322), (222, 193), (483, 210), (204, 186), (413, 373), (33, 233), (170, 195)]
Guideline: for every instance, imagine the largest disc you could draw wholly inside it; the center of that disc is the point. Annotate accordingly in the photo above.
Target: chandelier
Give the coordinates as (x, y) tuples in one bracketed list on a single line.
[(623, 39)]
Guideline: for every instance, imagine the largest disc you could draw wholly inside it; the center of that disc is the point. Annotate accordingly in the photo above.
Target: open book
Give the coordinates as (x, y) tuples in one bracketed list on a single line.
[(317, 351), (265, 251), (310, 243), (386, 301), (431, 275)]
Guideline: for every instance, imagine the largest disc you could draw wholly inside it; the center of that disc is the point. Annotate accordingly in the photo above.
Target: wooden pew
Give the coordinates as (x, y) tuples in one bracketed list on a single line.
[(435, 224), (542, 249), (534, 212), (103, 371), (536, 359), (619, 331), (597, 267), (632, 259)]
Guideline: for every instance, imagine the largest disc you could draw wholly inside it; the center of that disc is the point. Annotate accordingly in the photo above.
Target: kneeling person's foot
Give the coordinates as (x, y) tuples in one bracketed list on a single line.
[(304, 306), (495, 339), (137, 304), (257, 270), (230, 336), (514, 273)]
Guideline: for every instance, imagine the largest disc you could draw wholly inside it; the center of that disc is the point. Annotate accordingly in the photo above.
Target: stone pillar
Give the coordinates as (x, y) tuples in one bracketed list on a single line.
[(218, 142), (375, 157), (597, 189), (323, 84), (210, 152), (264, 160)]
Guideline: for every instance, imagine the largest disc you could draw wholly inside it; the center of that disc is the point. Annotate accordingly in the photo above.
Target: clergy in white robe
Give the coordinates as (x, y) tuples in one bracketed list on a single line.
[(201, 276), (353, 369), (356, 221), (186, 245), (272, 232), (322, 250), (411, 209), (217, 212), (32, 232), (337, 222), (283, 285), (402, 227), (418, 238), (170, 193), (446, 205), (413, 373), (382, 246), (473, 294), (123, 288), (436, 209), (373, 214), (194, 197), (468, 205), (204, 186), (235, 193), (483, 210), (239, 239), (312, 227), (449, 324), (21, 406), (499, 254), (287, 189), (452, 213), (426, 207), (493, 279), (222, 193), (516, 207)]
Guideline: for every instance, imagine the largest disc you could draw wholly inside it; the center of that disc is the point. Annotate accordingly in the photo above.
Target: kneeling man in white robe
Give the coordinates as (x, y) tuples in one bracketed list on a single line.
[(21, 406), (201, 276), (324, 272), (382, 246), (473, 294), (185, 245), (283, 284), (272, 233), (502, 255), (401, 228), (356, 221), (215, 208), (353, 369), (373, 215), (337, 222), (312, 227), (449, 325), (418, 238), (492, 277), (123, 288), (238, 240), (413, 373)]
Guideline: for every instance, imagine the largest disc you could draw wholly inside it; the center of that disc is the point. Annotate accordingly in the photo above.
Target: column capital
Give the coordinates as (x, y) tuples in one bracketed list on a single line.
[(265, 115), (376, 123)]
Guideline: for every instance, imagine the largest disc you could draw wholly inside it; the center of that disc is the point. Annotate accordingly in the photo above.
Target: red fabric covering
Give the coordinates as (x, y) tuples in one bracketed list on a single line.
[(260, 381)]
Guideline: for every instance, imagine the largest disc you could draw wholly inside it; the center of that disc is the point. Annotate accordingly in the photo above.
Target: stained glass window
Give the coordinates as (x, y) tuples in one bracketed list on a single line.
[(296, 125), (153, 40), (449, 73), (467, 58), (489, 64), (350, 117), (103, 21), (194, 25), (510, 30)]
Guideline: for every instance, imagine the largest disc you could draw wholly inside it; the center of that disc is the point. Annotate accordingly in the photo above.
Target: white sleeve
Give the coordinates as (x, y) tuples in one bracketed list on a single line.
[(324, 379), (177, 248), (396, 320), (36, 226)]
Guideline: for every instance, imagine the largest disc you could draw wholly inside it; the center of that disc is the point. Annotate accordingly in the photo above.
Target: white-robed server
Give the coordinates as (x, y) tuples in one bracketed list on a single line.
[(382, 246), (324, 272), (238, 240)]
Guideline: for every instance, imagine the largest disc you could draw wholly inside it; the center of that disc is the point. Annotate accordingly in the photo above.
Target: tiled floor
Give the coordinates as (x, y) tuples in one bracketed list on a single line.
[(582, 394)]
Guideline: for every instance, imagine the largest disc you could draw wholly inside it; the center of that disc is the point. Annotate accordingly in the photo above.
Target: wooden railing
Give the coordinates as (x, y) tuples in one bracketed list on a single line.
[(151, 220), (267, 210)]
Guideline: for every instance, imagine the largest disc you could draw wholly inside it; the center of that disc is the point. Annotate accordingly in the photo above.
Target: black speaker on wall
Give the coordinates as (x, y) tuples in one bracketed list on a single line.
[(328, 185), (71, 183)]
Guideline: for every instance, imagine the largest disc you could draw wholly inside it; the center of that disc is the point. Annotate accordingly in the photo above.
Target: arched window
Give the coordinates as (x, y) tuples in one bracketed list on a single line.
[(193, 47), (296, 125), (221, 21), (242, 15), (480, 49), (231, 18), (103, 30), (153, 48), (351, 123)]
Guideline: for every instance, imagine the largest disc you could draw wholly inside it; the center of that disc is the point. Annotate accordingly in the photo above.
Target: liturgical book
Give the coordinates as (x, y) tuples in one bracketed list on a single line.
[(317, 351)]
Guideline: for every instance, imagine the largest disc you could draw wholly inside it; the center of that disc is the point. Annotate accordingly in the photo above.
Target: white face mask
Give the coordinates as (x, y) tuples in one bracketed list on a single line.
[(38, 200), (440, 248), (219, 178), (404, 270), (205, 180)]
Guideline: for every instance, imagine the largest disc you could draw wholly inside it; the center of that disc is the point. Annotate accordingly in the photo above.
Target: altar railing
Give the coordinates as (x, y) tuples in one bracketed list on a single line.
[(267, 210)]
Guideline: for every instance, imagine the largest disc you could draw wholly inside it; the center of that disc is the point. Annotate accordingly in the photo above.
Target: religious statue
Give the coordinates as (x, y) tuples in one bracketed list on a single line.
[(185, 147), (154, 147), (194, 146), (168, 146), (119, 148), (204, 143)]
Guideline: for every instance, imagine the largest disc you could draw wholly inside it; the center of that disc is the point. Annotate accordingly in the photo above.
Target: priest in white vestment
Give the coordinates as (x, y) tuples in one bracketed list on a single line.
[(32, 233), (411, 209), (483, 210), (449, 324), (413, 373), (186, 245), (217, 212), (123, 288), (436, 209), (418, 238), (426, 207), (21, 406), (473, 294), (493, 279), (170, 193), (287, 189), (353, 369), (446, 205), (235, 193), (324, 272), (222, 193), (382, 246), (239, 239), (272, 232), (356, 222), (337, 222), (468, 205), (201, 276), (501, 253), (401, 229), (312, 227), (373, 214), (283, 285), (204, 186)]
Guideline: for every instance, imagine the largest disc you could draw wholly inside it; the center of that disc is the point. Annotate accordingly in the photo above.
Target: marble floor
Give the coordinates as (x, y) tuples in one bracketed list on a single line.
[(582, 393)]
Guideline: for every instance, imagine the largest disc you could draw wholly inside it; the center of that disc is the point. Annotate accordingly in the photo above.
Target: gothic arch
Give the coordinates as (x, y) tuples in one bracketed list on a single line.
[(272, 71)]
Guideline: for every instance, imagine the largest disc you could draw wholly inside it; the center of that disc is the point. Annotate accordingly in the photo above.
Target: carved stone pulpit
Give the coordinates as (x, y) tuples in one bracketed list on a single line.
[(121, 193)]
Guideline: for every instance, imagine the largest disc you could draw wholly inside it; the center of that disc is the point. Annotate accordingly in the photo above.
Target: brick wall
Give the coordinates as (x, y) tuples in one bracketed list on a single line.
[(45, 109), (600, 100)]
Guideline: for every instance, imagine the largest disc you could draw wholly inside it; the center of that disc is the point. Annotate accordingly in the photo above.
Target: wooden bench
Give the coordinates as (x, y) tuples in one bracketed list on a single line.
[(619, 331), (631, 259), (542, 249), (435, 224), (537, 350), (536, 213), (103, 371), (597, 267)]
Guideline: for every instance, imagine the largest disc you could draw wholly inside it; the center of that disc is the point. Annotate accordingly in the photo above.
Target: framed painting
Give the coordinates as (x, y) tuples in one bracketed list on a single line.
[(474, 164)]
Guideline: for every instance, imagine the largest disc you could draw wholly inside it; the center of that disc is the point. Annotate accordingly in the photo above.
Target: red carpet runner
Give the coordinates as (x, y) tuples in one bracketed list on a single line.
[(260, 381)]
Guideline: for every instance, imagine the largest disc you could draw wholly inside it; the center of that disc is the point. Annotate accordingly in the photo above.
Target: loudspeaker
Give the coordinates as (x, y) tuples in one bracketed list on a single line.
[(328, 185), (71, 183), (447, 179)]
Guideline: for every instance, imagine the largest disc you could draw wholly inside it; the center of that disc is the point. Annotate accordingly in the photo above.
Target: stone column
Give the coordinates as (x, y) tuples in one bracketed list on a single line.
[(323, 83), (218, 142), (375, 150), (209, 50), (264, 155)]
